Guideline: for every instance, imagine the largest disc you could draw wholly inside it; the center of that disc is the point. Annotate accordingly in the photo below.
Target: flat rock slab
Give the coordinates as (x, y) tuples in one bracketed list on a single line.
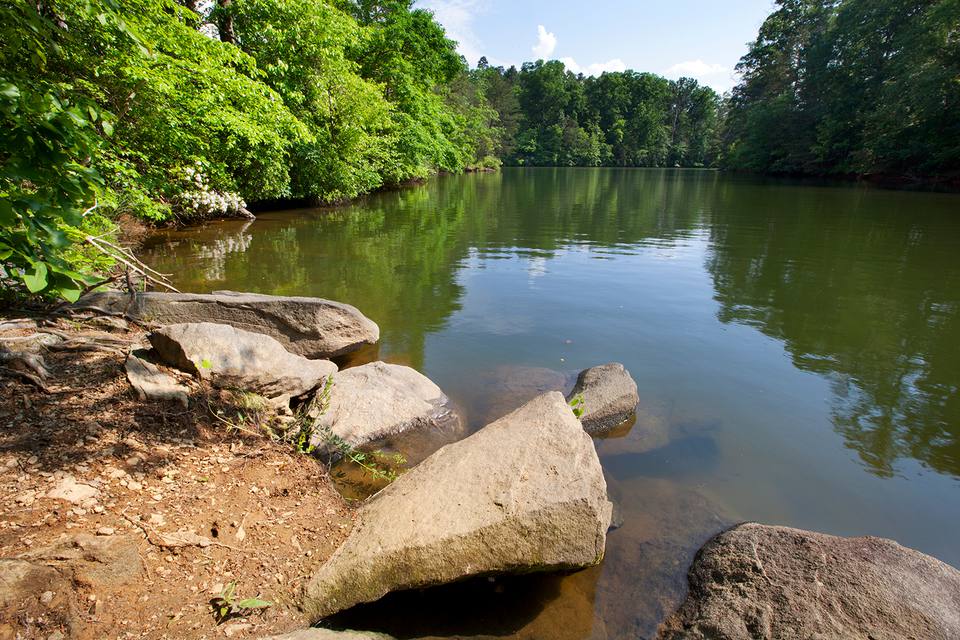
[(379, 400), (311, 327), (72, 491), (524, 494), (234, 358), (757, 581), (152, 384), (609, 397), (40, 589)]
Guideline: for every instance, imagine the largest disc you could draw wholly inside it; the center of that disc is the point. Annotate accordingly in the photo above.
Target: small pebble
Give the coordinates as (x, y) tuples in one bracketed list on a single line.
[(106, 531)]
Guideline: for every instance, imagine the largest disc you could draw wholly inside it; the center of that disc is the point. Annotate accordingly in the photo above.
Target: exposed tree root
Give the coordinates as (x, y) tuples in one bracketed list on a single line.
[(25, 365)]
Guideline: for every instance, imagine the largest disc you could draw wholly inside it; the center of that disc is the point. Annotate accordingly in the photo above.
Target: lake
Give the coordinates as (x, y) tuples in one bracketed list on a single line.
[(796, 348)]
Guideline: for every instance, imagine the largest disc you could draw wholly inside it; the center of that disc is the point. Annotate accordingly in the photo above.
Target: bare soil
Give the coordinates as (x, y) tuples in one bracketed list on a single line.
[(169, 506)]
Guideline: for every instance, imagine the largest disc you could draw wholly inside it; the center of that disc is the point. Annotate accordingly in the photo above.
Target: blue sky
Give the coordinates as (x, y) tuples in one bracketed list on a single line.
[(703, 39)]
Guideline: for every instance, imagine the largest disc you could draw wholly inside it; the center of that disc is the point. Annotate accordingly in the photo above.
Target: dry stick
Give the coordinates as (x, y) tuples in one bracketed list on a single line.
[(125, 257), (129, 254), (147, 531)]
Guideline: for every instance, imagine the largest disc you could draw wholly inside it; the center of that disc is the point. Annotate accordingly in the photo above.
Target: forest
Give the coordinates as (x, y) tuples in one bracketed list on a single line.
[(176, 110), (850, 87)]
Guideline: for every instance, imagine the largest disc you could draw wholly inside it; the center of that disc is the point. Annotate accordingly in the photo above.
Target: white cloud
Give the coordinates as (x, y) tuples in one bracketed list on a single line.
[(719, 77), (457, 17), (546, 43), (696, 69), (596, 68)]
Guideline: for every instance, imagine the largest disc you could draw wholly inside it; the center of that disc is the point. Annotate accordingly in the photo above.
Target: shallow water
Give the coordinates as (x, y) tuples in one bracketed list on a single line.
[(796, 347)]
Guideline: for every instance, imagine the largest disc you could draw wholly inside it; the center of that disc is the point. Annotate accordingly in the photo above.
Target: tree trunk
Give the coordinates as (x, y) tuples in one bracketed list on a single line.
[(225, 22)]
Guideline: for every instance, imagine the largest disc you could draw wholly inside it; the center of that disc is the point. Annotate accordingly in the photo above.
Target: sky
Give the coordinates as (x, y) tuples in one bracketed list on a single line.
[(702, 39)]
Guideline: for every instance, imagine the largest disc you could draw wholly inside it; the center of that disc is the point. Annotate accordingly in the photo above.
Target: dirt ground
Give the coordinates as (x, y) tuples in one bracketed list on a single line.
[(122, 518)]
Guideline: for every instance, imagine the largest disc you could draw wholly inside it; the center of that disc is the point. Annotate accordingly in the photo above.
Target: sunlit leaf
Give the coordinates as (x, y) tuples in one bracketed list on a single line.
[(36, 278)]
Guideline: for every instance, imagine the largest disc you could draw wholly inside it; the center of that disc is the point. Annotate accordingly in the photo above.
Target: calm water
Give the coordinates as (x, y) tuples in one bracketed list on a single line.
[(796, 347)]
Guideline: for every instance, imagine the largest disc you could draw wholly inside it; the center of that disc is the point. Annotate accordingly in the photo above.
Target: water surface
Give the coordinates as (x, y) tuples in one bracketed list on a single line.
[(796, 347)]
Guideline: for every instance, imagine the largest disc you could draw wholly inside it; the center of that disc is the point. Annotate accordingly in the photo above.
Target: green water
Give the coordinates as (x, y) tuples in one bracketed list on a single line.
[(796, 348)]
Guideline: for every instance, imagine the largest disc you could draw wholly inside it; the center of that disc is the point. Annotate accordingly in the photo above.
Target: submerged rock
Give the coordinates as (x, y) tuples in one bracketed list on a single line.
[(234, 358), (609, 397), (524, 494), (507, 387), (378, 400), (311, 327), (757, 581), (152, 384)]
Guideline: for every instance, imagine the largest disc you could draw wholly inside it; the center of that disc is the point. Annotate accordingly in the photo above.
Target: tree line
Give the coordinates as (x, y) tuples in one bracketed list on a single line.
[(181, 109), (854, 87), (548, 116)]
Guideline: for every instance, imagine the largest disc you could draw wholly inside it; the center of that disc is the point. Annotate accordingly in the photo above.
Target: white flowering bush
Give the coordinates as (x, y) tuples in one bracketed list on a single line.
[(200, 200)]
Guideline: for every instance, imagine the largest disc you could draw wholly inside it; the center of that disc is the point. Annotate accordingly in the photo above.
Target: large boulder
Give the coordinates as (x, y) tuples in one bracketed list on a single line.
[(311, 327), (757, 581), (609, 397), (234, 358), (524, 494), (378, 400)]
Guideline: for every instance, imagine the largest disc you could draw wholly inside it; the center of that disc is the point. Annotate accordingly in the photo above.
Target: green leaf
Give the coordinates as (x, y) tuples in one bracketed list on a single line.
[(7, 216), (253, 603), (5, 251), (70, 294), (107, 127), (36, 278), (10, 91)]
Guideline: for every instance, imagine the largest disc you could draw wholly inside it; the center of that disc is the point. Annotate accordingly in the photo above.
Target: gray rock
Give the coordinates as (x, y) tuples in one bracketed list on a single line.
[(330, 634), (609, 397), (72, 491), (524, 494), (757, 581), (379, 400), (311, 327), (152, 384), (234, 358)]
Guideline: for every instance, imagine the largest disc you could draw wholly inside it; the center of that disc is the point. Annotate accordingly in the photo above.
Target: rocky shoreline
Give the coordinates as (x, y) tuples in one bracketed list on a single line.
[(524, 494)]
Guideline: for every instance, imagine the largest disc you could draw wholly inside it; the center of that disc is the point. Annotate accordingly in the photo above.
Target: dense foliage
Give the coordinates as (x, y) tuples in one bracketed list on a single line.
[(189, 108), (851, 87), (165, 109), (549, 116)]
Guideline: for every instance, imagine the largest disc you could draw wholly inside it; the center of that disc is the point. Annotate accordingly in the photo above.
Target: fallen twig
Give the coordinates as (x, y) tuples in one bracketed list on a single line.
[(126, 257)]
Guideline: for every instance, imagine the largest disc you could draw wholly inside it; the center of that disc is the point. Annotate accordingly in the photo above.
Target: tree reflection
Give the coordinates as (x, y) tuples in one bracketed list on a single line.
[(396, 255), (863, 287)]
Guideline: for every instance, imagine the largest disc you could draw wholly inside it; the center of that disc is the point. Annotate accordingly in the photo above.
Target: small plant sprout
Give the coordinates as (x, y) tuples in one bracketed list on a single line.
[(576, 403), (226, 605), (377, 464)]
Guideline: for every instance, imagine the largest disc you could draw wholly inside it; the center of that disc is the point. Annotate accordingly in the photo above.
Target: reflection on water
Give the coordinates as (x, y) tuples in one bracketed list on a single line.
[(864, 289), (796, 347)]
